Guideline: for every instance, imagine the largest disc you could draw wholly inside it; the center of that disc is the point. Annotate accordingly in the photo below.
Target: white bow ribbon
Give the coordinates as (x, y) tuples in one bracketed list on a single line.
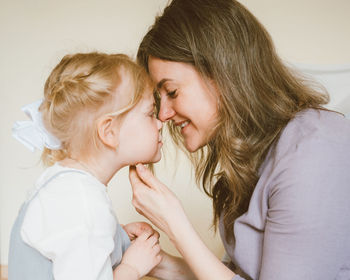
[(32, 133)]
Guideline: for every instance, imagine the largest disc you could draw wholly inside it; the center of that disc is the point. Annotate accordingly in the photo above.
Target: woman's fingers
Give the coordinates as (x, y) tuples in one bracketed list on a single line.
[(134, 178), (154, 200), (147, 177), (138, 188), (144, 185), (156, 234)]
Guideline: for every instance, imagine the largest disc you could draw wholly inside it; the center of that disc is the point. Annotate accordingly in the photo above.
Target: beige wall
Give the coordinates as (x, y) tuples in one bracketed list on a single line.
[(36, 34)]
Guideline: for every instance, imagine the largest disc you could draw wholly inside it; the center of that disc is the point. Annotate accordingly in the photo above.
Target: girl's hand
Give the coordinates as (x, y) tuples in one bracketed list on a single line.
[(155, 201), (143, 254), (135, 229)]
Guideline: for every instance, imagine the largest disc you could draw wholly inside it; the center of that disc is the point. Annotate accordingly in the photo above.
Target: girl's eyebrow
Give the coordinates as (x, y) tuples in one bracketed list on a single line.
[(151, 106)]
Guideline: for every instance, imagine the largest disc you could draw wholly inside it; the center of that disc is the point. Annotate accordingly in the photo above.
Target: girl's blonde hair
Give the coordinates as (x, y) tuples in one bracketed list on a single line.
[(259, 95), (78, 91)]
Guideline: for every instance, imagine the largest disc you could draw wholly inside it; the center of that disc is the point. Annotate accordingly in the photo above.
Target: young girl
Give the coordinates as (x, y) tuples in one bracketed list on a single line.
[(96, 117)]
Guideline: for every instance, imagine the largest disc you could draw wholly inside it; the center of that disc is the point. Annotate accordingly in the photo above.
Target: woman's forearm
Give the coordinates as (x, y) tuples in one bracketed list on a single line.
[(204, 264), (172, 267), (156, 202)]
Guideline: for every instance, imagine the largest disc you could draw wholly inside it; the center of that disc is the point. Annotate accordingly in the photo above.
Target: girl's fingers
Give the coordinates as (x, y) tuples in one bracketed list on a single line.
[(156, 249), (144, 236), (152, 240), (137, 228)]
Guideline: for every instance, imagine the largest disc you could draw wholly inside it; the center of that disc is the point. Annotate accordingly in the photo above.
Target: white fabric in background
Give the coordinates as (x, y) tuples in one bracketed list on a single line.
[(336, 79)]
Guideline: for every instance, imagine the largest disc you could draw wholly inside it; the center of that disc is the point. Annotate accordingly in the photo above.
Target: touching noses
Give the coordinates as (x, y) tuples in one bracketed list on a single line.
[(166, 111), (159, 124)]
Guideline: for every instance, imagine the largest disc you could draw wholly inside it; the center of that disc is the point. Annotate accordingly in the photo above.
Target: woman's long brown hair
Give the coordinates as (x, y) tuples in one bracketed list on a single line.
[(259, 95)]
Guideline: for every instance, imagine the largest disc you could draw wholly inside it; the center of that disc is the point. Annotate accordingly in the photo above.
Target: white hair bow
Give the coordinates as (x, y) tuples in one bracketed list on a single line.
[(32, 133)]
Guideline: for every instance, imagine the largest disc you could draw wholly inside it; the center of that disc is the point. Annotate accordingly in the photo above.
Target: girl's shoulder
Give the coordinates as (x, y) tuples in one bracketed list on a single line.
[(59, 181), (67, 200), (62, 191)]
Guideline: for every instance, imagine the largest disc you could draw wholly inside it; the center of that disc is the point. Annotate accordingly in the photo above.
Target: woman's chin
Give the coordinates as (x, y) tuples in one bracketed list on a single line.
[(196, 141), (191, 147)]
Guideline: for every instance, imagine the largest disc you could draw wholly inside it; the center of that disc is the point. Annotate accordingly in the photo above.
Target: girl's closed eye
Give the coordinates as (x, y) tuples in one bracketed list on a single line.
[(152, 114)]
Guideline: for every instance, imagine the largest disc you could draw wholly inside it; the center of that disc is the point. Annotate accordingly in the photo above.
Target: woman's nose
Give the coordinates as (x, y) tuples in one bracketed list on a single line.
[(166, 111)]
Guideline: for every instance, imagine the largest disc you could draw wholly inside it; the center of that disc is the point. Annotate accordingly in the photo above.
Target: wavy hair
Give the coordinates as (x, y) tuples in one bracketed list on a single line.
[(259, 95), (78, 91)]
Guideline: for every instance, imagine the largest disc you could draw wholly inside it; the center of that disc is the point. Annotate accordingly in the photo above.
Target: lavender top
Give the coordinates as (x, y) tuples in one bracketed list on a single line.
[(298, 222)]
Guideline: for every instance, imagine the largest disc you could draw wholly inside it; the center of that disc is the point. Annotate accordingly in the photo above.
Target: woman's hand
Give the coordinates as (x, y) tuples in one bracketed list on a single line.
[(155, 201)]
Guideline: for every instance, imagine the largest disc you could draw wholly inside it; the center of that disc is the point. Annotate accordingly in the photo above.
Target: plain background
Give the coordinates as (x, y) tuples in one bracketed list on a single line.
[(35, 34)]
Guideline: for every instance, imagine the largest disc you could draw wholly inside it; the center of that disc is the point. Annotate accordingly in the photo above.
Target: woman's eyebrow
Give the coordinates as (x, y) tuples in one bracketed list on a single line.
[(161, 83)]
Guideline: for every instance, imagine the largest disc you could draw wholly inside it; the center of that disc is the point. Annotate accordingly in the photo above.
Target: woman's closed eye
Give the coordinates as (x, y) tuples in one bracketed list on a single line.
[(172, 94)]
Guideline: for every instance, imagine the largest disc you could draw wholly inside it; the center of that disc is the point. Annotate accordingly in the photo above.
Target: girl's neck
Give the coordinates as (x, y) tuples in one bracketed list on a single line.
[(103, 170)]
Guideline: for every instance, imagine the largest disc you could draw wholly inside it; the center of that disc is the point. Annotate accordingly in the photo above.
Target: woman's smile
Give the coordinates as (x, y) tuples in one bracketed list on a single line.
[(187, 99), (182, 124)]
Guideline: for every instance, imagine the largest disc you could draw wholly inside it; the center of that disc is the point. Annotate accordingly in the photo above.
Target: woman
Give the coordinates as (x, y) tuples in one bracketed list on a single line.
[(273, 160)]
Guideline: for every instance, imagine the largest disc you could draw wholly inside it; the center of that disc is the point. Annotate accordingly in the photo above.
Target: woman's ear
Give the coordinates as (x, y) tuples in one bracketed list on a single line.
[(108, 131)]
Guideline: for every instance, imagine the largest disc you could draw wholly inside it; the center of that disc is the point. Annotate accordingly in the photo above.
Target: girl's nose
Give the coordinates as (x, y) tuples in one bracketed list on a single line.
[(166, 111), (159, 124)]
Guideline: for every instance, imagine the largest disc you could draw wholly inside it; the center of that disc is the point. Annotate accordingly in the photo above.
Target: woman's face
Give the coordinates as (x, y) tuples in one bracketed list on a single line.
[(187, 99)]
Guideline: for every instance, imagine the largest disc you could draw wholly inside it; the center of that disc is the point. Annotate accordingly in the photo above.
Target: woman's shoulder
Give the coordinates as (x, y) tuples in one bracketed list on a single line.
[(313, 149), (315, 128), (312, 153)]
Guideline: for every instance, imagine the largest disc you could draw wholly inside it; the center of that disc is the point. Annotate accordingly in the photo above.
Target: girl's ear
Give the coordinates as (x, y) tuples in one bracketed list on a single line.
[(108, 131)]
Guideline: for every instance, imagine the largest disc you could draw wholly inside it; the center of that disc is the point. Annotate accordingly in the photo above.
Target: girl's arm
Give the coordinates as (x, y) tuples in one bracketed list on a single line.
[(125, 272), (156, 202)]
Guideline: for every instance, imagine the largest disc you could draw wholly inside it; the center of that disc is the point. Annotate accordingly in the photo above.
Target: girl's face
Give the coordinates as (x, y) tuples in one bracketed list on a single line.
[(186, 99), (139, 137)]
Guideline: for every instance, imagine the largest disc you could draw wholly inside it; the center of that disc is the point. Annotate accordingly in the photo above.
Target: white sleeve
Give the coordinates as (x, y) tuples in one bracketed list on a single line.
[(71, 222)]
